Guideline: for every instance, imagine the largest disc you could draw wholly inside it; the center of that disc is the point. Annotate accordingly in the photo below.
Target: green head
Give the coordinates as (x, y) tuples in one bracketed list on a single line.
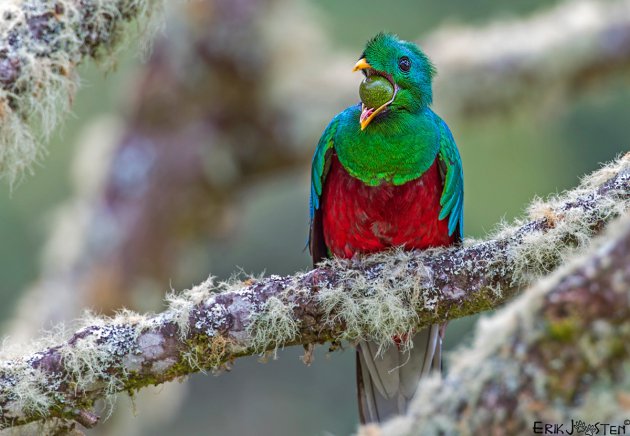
[(407, 69)]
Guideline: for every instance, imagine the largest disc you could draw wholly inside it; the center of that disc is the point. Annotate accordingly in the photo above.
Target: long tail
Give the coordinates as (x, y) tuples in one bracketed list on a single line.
[(387, 383)]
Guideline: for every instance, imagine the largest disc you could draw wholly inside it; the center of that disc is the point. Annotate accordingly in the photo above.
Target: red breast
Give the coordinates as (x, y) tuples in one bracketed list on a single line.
[(367, 219)]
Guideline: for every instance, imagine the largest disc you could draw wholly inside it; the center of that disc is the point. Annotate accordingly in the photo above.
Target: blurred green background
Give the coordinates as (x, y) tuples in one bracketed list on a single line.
[(507, 161)]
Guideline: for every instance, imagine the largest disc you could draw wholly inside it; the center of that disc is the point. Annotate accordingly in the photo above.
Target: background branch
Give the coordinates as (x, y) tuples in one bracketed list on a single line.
[(41, 44), (549, 56), (376, 297)]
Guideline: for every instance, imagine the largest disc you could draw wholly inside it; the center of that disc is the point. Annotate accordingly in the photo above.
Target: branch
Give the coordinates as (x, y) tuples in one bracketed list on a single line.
[(559, 354), (376, 297), (41, 44)]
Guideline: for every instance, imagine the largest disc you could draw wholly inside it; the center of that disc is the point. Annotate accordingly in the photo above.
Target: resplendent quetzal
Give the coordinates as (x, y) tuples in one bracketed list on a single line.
[(387, 173)]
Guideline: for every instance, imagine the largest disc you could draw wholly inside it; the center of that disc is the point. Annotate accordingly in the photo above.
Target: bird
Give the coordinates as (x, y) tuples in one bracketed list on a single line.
[(387, 173)]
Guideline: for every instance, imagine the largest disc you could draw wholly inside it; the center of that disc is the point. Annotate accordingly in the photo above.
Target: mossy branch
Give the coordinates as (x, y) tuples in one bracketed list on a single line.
[(557, 355), (41, 44), (374, 297)]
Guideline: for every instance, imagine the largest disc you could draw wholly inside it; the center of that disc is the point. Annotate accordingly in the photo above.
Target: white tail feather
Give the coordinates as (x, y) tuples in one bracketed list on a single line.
[(387, 382)]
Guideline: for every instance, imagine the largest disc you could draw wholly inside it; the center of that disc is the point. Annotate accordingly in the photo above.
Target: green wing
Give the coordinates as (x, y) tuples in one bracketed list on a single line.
[(452, 200), (319, 169)]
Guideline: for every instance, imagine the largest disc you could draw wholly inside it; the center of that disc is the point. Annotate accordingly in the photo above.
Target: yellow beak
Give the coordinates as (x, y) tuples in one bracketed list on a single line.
[(362, 64), (367, 114)]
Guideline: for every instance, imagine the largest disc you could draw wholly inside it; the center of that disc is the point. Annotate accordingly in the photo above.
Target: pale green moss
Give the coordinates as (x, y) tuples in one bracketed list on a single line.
[(568, 232), (181, 303), (274, 326), (387, 309)]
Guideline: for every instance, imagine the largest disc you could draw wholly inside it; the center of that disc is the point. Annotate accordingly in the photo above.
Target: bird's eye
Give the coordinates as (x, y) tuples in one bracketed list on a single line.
[(404, 64)]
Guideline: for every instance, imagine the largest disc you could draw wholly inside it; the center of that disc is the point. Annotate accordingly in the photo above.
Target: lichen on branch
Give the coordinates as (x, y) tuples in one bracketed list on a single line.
[(373, 297), (41, 44)]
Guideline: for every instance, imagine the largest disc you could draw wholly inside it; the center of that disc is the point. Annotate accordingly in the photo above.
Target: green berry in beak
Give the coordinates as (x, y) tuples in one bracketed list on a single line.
[(375, 91)]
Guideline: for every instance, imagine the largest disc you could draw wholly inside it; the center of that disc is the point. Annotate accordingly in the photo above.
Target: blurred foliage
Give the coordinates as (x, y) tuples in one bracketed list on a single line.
[(507, 161), (25, 212), (353, 22)]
